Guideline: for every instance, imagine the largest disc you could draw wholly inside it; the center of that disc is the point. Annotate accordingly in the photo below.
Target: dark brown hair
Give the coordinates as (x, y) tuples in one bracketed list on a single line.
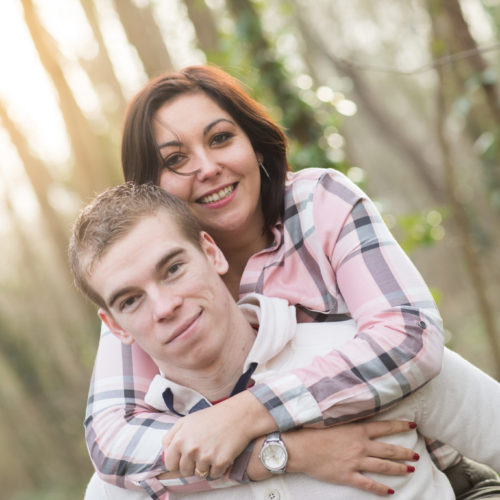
[(141, 159), (111, 216)]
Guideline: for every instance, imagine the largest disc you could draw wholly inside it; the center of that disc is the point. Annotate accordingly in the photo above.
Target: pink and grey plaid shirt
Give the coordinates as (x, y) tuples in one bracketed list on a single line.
[(332, 257)]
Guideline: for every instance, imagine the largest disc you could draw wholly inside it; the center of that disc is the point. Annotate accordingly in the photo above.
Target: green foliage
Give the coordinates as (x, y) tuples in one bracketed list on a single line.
[(421, 229), (248, 49)]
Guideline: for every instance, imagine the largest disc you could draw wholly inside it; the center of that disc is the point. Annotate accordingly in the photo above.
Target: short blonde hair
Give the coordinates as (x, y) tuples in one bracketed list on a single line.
[(111, 216)]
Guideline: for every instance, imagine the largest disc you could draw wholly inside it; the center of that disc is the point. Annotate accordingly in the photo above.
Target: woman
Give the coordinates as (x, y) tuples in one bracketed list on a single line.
[(312, 238)]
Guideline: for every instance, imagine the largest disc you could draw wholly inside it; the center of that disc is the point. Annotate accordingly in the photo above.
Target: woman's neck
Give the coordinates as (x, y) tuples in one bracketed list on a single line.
[(238, 250)]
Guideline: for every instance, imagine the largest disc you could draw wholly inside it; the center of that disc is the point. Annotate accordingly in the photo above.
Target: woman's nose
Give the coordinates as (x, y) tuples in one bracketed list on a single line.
[(207, 167)]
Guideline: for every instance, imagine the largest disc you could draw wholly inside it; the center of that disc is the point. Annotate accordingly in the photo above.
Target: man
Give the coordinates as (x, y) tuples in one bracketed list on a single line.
[(137, 252)]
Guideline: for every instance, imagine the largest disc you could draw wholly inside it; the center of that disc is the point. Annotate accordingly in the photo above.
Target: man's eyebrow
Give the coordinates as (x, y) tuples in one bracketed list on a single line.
[(174, 252), (119, 293)]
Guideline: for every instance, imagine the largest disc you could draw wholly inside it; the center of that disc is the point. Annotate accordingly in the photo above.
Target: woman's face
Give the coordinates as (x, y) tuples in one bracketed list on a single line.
[(195, 135)]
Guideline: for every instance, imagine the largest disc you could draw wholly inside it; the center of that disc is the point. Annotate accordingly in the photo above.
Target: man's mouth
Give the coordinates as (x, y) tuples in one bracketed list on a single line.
[(185, 327), (217, 195)]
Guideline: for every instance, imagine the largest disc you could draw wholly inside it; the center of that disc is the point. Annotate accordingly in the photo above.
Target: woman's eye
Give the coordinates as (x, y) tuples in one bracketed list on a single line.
[(221, 138), (173, 160)]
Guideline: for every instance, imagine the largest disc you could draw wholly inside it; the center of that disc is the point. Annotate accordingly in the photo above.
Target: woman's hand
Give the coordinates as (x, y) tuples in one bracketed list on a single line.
[(341, 454), (209, 440)]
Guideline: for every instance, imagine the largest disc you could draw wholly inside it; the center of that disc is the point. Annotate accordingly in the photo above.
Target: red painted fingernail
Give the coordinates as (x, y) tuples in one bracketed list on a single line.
[(390, 491), (410, 468), (163, 456), (412, 425), (416, 456)]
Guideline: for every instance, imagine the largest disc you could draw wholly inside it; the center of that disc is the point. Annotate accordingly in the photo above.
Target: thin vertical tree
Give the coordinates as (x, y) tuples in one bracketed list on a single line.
[(145, 35)]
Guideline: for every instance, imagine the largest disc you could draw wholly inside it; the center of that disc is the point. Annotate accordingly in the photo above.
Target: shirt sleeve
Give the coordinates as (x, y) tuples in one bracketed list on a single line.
[(124, 434), (399, 343)]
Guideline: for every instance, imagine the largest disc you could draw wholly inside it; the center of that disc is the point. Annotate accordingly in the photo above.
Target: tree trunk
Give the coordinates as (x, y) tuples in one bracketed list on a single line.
[(446, 92), (143, 33), (384, 125), (92, 168), (299, 119), (100, 69), (41, 181), (204, 24), (467, 77)]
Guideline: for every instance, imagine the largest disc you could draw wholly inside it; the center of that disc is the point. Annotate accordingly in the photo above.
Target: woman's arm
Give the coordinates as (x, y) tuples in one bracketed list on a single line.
[(338, 455), (398, 348), (349, 263), (124, 434), (341, 454), (345, 260)]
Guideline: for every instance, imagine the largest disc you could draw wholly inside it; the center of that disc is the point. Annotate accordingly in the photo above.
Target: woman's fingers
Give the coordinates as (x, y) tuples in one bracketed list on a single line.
[(386, 467), (378, 466), (364, 483), (171, 458), (187, 466), (219, 469), (202, 470), (388, 427), (390, 451), (189, 460)]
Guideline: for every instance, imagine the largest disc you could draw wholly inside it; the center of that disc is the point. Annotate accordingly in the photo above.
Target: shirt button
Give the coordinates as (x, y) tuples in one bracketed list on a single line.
[(422, 324), (273, 495)]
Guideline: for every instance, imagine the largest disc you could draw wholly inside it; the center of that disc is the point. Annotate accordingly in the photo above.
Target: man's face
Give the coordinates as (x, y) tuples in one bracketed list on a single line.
[(166, 294)]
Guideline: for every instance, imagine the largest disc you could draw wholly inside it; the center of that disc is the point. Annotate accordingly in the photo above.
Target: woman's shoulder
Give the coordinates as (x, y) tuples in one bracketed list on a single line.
[(313, 182)]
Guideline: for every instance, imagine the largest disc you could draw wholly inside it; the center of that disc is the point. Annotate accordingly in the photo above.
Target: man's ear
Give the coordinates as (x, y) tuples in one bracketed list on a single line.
[(114, 327), (213, 253)]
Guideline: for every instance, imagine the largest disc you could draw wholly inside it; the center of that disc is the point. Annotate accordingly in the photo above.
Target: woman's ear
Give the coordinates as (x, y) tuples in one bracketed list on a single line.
[(114, 327), (214, 253)]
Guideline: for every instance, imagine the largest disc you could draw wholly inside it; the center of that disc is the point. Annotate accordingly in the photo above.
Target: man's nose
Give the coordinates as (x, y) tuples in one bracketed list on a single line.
[(165, 305)]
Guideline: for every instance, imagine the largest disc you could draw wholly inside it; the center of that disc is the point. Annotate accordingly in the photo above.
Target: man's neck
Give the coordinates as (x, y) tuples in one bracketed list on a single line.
[(216, 380)]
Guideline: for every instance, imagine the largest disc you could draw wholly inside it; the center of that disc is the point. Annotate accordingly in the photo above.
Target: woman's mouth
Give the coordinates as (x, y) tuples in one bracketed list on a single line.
[(216, 196)]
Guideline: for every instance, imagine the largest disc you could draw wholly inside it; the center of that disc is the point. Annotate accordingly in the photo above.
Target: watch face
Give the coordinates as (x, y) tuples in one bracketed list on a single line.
[(274, 456)]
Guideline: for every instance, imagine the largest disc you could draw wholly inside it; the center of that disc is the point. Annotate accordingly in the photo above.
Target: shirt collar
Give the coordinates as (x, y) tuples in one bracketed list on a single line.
[(277, 324)]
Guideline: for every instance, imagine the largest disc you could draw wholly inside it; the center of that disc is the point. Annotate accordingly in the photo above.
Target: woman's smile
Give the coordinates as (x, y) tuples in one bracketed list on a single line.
[(214, 198), (196, 135)]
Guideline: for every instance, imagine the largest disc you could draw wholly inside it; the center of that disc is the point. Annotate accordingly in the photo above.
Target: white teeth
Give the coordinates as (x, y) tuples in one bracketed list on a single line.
[(219, 195)]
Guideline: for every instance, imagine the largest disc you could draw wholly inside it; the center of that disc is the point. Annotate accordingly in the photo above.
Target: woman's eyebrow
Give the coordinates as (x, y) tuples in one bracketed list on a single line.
[(175, 143), (206, 130)]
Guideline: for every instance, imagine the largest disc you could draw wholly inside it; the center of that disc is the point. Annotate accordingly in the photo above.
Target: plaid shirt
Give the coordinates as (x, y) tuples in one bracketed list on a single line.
[(332, 257)]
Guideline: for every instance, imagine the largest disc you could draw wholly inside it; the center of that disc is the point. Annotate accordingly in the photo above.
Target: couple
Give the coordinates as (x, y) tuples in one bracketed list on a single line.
[(139, 253), (312, 238)]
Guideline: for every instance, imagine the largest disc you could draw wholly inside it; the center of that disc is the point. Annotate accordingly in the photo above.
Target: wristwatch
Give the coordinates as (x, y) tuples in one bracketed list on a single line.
[(273, 454)]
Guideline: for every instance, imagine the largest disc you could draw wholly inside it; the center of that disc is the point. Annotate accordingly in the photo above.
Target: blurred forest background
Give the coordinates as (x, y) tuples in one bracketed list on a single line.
[(402, 96)]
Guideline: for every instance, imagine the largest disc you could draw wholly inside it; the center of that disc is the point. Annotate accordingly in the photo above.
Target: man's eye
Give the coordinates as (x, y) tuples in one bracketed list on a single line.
[(221, 138), (127, 303), (174, 269)]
